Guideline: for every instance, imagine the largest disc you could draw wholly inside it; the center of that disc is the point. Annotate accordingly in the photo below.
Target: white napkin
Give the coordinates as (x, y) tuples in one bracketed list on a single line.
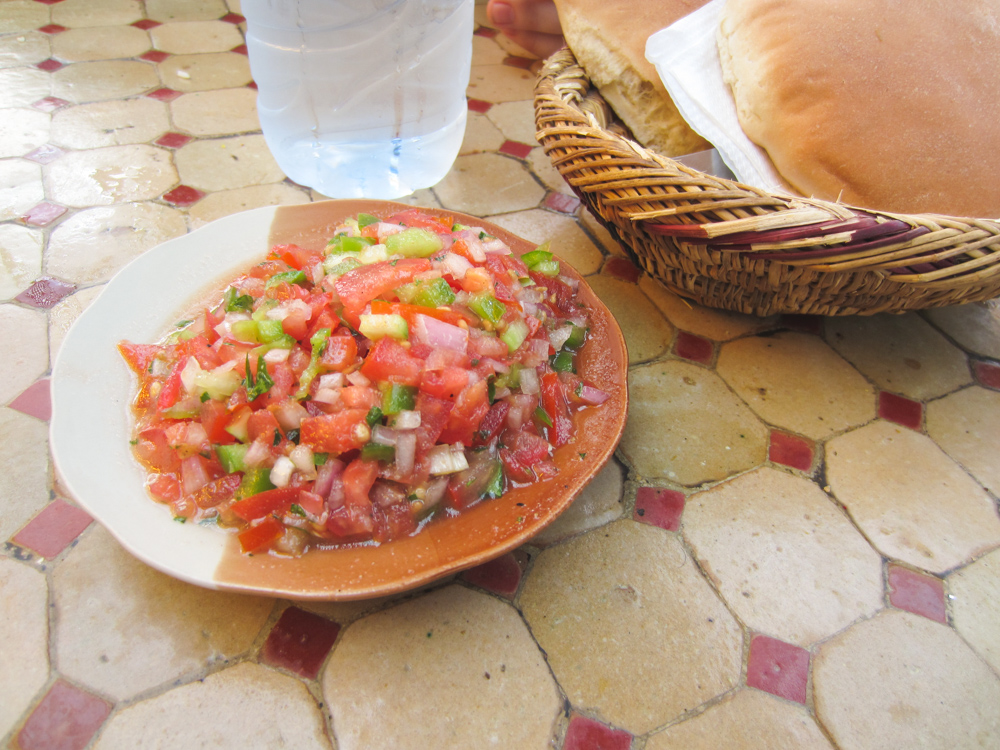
[(687, 58)]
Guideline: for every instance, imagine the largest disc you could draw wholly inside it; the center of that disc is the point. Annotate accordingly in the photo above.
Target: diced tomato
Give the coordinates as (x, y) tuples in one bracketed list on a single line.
[(446, 383), (217, 491), (360, 397), (171, 391), (359, 287), (153, 449), (560, 292), (555, 405), (526, 458), (295, 256), (433, 418), (311, 503), (215, 418), (393, 522), (503, 285), (198, 348), (262, 535), (166, 487), (335, 433), (348, 522), (295, 324), (359, 476), (194, 474), (340, 353), (270, 502), (268, 268), (323, 319), (283, 382), (389, 361), (212, 319), (409, 312), (262, 424), (493, 422), (463, 421), (139, 357), (414, 217)]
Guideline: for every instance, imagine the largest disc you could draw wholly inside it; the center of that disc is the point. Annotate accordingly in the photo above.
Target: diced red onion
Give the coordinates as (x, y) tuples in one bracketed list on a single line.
[(407, 420), (592, 396), (455, 265), (332, 380), (436, 333), (385, 229), (281, 472), (356, 378), (385, 494), (496, 246), (257, 454), (193, 474), (289, 414), (383, 435), (528, 378), (327, 395), (435, 491), (559, 336), (325, 475), (274, 356), (571, 283), (302, 457), (406, 451), (495, 364)]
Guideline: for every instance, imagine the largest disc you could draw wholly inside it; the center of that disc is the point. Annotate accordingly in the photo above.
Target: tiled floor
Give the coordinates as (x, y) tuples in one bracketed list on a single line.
[(797, 545)]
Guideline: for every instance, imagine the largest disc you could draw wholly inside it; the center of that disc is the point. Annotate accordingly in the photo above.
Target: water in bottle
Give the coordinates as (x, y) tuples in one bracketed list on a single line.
[(361, 98)]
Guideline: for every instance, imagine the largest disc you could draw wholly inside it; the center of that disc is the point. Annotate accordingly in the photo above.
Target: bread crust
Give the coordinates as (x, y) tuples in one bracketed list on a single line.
[(608, 38), (884, 104)]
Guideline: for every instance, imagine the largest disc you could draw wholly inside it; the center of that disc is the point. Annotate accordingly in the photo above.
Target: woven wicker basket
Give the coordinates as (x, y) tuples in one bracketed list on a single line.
[(726, 245)]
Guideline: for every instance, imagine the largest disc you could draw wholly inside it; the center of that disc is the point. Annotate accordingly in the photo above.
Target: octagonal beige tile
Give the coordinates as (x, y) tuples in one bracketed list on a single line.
[(92, 245), (192, 37), (901, 680), (227, 163), (125, 628), (114, 123), (24, 670), (631, 630), (797, 382), (544, 170), (63, 315), (100, 177), (20, 259), (685, 425), (23, 49), (22, 131), (220, 112), (486, 184), (516, 120), (912, 502), (185, 10), (501, 83), (900, 353), (748, 720), (784, 558), (599, 503), (216, 70), (975, 606), (486, 51), (480, 135), (967, 427), (22, 15), (99, 43), (466, 655), (87, 13), (717, 325), (19, 87), (647, 333), (346, 612), (22, 341), (20, 187), (103, 80), (225, 202), (24, 468), (566, 238), (244, 706), (975, 326)]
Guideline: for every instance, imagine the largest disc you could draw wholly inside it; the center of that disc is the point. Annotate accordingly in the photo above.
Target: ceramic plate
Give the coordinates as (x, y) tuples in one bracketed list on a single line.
[(91, 425)]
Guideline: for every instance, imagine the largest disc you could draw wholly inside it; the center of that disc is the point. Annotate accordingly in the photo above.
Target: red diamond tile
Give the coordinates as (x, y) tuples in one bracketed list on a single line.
[(234, 18), (49, 65), (518, 62), (154, 56), (240, 49), (146, 24), (182, 195), (35, 400), (43, 214), (988, 374), (66, 719), (901, 410), (299, 642), (48, 2), (501, 576), (52, 28), (587, 734), (45, 154), (564, 204), (791, 451), (486, 32), (46, 292), (54, 529), (622, 268), (50, 104), (778, 668), (173, 140), (164, 95), (480, 106), (693, 348), (659, 507), (252, 85), (515, 148), (917, 593), (803, 323)]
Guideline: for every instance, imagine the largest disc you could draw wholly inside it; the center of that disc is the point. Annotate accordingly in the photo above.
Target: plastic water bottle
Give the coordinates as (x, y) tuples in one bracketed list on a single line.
[(361, 98)]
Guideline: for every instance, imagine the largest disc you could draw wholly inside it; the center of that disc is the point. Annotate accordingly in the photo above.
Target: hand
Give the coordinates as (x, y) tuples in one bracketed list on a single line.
[(533, 24)]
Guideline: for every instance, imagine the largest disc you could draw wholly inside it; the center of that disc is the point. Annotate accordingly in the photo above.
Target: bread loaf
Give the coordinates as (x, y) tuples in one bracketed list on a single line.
[(608, 39), (885, 104)]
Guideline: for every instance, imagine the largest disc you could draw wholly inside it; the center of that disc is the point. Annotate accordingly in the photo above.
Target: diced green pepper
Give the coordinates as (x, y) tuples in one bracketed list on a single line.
[(231, 457), (576, 337), (487, 307), (541, 261), (344, 244), (337, 266), (238, 427), (397, 398), (562, 361), (233, 301), (379, 326), (511, 379), (429, 293), (377, 452), (542, 416), (374, 416), (366, 219), (534, 257), (254, 482), (269, 331), (414, 242), (515, 334), (318, 342), (292, 277), (495, 486), (246, 330)]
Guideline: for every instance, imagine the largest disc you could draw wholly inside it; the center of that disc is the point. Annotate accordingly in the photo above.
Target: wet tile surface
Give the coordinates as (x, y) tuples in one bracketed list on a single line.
[(795, 545)]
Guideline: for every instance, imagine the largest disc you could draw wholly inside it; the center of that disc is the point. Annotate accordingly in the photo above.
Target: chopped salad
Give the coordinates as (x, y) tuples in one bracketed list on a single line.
[(413, 368)]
